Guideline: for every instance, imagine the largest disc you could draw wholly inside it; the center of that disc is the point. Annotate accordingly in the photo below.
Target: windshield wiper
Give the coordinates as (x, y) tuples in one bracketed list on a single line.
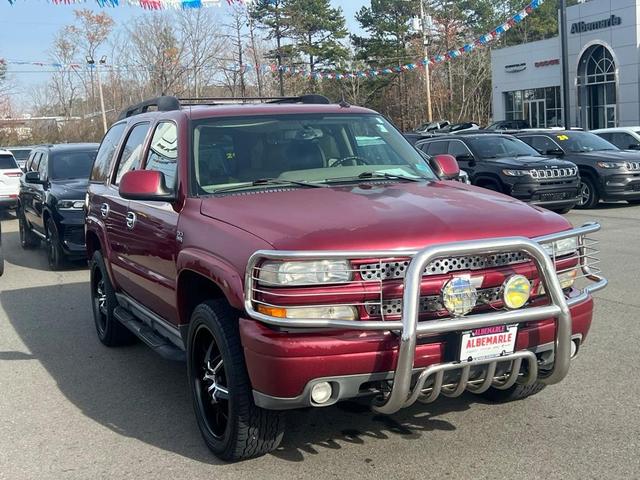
[(267, 182), (367, 175)]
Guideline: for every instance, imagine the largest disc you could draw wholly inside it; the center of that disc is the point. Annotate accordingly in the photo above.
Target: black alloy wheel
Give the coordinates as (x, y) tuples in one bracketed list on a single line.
[(588, 196)]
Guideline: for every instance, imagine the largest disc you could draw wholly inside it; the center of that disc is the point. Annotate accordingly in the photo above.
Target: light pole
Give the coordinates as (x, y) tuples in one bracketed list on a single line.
[(427, 73), (565, 65), (102, 61)]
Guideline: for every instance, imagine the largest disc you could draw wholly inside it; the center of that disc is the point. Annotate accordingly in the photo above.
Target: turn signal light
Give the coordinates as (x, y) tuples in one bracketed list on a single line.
[(273, 311)]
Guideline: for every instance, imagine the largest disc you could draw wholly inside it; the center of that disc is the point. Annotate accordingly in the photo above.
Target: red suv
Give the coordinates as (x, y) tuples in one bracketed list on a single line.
[(299, 253)]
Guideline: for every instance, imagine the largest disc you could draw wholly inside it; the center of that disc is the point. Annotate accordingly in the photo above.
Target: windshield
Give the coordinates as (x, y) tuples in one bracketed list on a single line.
[(499, 147), (71, 165), (313, 148), (581, 142), (7, 161)]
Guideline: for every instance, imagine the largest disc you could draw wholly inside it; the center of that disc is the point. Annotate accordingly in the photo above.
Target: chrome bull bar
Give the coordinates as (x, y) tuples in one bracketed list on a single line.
[(408, 328)]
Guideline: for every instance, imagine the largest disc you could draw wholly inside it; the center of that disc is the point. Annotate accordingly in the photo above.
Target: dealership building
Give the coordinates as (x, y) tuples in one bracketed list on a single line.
[(604, 71)]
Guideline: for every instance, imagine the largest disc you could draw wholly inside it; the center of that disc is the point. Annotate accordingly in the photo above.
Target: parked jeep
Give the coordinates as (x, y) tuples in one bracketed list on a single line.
[(51, 200), (505, 164), (294, 263), (606, 172)]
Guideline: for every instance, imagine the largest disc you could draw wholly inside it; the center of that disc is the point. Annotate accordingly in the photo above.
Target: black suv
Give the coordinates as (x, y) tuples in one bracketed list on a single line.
[(51, 200), (509, 125), (505, 164), (606, 172)]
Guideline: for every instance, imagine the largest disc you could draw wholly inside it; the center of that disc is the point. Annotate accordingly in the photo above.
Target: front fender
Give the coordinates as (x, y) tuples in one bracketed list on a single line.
[(218, 270)]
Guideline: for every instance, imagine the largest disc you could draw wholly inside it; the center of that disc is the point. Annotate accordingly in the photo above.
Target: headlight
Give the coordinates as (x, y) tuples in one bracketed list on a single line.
[(517, 173), (291, 274), (611, 165), (71, 204), (334, 312), (562, 247)]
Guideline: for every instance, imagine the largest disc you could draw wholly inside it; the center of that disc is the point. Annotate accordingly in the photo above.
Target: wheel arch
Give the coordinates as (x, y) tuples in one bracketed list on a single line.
[(483, 179)]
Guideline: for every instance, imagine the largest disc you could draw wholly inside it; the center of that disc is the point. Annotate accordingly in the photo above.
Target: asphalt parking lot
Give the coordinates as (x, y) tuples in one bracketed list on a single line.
[(71, 408)]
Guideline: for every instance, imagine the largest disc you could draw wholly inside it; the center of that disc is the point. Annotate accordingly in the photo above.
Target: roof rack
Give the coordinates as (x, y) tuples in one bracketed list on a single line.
[(161, 104), (168, 103), (306, 99)]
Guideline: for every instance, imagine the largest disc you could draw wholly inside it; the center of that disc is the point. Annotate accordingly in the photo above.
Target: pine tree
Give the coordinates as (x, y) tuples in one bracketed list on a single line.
[(317, 29)]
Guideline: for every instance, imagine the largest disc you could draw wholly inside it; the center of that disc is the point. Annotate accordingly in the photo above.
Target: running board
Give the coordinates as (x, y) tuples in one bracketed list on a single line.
[(151, 338)]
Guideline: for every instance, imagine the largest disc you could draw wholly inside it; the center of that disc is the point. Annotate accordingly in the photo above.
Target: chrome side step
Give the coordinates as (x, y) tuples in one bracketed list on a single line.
[(160, 344)]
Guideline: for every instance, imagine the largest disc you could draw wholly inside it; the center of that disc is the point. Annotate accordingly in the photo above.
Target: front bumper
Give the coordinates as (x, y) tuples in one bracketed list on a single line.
[(402, 346), (621, 186), (8, 200), (559, 194), (71, 234)]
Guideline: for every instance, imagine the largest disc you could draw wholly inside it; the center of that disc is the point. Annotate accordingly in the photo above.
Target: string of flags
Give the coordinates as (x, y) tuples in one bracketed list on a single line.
[(150, 4), (481, 41)]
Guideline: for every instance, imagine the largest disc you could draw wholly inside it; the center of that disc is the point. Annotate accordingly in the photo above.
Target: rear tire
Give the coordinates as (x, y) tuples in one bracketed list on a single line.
[(588, 193), (516, 392), (55, 254), (28, 240), (232, 426), (103, 299)]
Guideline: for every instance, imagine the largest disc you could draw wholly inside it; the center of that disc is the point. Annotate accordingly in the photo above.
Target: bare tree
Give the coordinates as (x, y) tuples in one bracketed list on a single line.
[(65, 82)]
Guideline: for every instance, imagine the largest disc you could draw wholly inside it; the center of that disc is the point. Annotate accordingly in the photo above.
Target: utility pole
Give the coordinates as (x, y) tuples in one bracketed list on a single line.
[(564, 40), (102, 61), (427, 74)]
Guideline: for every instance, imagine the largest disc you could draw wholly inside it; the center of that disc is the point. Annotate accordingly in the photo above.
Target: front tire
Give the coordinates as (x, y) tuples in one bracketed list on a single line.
[(103, 300), (588, 193), (232, 426), (55, 254), (562, 211)]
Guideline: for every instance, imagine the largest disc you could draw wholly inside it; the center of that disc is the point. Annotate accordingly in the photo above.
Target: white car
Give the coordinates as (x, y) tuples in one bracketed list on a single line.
[(10, 175), (625, 138)]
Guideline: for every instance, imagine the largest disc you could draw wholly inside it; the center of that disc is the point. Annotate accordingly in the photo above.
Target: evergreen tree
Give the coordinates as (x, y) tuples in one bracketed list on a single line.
[(317, 29), (274, 16)]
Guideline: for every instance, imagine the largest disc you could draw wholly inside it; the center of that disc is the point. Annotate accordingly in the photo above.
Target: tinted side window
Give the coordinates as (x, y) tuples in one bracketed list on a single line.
[(457, 148), (606, 136), (42, 167), (163, 152), (132, 152), (102, 163), (33, 163), (436, 148), (622, 140), (543, 144)]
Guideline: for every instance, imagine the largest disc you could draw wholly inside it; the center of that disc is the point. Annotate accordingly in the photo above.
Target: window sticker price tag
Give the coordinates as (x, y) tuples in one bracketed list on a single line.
[(562, 137)]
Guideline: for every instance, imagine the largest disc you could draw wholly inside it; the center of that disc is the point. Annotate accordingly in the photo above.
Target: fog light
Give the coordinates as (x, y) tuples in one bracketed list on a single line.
[(516, 292), (574, 348), (321, 392), (459, 296)]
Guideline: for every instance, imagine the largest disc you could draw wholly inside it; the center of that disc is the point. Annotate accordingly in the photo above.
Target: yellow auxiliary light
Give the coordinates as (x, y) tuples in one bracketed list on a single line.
[(459, 296), (516, 292)]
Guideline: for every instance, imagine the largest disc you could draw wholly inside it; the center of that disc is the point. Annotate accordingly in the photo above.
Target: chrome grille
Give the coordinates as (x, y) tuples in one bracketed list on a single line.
[(554, 173), (428, 304), (633, 165), (390, 269)]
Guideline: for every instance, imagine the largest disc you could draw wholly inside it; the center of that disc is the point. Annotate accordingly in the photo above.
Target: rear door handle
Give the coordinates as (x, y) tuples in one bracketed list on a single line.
[(104, 210), (131, 220)]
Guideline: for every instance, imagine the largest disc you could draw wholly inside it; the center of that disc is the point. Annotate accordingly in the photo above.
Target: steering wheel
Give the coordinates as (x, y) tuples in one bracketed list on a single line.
[(353, 158)]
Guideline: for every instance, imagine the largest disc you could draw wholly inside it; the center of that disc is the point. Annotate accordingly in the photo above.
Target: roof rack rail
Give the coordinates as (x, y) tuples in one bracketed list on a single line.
[(162, 104), (306, 99)]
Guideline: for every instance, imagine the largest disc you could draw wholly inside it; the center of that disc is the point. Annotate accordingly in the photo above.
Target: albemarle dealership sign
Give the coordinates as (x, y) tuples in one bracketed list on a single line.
[(580, 27)]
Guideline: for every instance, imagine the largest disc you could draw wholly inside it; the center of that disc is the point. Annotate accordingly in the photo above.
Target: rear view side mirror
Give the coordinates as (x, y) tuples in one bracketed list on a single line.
[(34, 178), (446, 166), (145, 185)]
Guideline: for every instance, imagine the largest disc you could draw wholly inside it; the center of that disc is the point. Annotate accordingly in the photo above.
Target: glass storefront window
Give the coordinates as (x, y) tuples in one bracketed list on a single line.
[(541, 107)]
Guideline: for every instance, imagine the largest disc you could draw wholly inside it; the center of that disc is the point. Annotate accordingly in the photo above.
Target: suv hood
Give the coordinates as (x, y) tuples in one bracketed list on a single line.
[(72, 189), (531, 162), (380, 216)]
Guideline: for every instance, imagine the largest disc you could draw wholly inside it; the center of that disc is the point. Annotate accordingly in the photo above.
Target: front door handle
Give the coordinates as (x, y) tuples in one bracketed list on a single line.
[(104, 210), (131, 220)]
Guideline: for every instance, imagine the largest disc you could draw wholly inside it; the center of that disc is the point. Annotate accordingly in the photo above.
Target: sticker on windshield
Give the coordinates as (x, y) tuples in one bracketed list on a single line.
[(562, 137)]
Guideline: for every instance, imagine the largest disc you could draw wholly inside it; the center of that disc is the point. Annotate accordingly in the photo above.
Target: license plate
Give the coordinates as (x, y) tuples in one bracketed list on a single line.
[(488, 342)]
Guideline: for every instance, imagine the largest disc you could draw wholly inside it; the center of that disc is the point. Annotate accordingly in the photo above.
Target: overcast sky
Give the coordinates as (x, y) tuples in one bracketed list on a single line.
[(26, 29)]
